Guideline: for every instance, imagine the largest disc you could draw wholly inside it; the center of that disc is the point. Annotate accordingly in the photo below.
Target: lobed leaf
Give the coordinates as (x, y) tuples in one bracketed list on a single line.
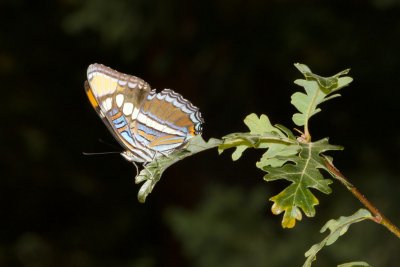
[(337, 228), (297, 160), (303, 170), (262, 135), (318, 89)]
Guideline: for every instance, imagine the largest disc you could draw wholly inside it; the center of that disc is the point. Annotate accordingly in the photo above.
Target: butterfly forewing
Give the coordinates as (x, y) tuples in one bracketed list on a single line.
[(116, 96)]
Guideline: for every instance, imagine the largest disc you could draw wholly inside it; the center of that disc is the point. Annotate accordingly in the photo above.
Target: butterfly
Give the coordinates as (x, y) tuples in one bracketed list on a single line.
[(147, 124)]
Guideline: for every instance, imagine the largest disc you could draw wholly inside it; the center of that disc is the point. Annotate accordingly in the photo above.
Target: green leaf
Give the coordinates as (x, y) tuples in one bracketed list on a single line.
[(277, 155), (303, 170), (317, 90), (286, 131), (259, 125), (152, 172), (262, 135), (355, 264), (337, 228), (328, 84), (306, 103), (238, 152)]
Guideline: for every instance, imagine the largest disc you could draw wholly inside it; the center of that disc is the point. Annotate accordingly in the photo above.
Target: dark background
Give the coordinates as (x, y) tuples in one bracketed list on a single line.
[(230, 58)]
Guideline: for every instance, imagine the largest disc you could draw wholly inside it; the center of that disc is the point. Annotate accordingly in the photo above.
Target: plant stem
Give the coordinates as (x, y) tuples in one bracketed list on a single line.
[(378, 216)]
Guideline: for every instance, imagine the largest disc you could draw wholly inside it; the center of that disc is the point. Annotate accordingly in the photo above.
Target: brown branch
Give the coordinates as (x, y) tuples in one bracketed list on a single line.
[(378, 216)]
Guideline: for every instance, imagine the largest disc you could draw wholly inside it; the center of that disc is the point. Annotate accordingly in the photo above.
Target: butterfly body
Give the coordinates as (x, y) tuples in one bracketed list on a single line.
[(146, 123)]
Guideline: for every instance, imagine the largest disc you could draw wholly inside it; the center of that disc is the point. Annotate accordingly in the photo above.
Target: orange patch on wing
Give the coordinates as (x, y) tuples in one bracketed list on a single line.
[(147, 136), (125, 128), (184, 121), (191, 130), (91, 97), (116, 116), (166, 140)]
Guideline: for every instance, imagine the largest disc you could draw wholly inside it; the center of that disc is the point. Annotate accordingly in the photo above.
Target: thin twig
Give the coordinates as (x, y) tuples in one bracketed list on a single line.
[(378, 216)]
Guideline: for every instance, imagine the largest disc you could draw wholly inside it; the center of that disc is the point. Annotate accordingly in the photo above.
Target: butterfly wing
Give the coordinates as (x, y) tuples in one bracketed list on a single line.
[(117, 97), (146, 123), (166, 122)]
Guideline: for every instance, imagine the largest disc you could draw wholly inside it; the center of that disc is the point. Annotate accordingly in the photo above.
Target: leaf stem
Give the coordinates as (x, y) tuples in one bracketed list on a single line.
[(307, 135), (378, 216), (253, 140)]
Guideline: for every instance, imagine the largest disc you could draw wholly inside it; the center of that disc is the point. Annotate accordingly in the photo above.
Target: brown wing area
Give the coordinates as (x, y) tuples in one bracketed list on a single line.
[(166, 111), (105, 82), (134, 89), (167, 140)]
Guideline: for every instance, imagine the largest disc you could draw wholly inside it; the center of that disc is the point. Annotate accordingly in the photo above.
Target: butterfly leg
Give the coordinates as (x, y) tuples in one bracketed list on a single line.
[(137, 168), (154, 159)]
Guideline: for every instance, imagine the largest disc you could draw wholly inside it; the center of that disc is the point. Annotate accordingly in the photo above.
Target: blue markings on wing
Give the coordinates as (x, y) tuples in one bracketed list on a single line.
[(126, 134), (149, 131), (147, 135), (167, 147), (128, 137), (120, 122)]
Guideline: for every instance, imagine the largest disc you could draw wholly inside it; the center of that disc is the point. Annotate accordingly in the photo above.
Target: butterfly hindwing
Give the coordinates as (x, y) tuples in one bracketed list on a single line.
[(167, 117)]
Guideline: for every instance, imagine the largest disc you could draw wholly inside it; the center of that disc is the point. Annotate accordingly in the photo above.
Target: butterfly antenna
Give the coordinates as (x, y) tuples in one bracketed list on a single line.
[(100, 153), (103, 153)]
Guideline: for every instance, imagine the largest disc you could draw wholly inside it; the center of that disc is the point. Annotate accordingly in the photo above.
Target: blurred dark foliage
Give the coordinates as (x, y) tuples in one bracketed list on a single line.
[(230, 58)]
